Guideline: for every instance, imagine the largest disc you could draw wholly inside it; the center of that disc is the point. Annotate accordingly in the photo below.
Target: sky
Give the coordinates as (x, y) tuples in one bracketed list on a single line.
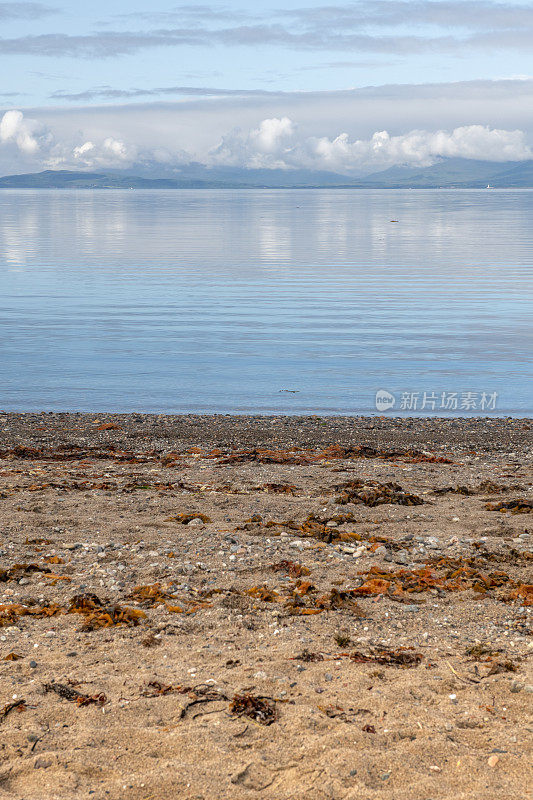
[(348, 87)]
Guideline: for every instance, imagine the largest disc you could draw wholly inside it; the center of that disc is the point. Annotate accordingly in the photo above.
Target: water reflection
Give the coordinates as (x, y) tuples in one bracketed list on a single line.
[(217, 300)]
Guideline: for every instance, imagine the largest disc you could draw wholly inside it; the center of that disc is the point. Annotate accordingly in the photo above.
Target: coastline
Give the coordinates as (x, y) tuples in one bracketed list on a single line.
[(367, 577), (243, 430)]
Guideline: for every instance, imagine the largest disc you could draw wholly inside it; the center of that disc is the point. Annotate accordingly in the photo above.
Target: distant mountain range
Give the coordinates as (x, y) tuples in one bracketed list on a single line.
[(460, 173), (447, 173)]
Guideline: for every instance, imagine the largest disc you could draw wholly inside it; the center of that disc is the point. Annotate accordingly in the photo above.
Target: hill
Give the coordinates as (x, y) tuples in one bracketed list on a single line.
[(458, 173)]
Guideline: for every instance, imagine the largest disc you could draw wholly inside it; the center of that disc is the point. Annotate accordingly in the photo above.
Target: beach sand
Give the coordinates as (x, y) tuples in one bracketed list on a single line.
[(353, 582)]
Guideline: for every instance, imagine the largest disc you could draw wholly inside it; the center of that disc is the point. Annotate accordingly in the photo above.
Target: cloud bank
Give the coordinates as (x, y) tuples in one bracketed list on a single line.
[(368, 26), (275, 143), (38, 147)]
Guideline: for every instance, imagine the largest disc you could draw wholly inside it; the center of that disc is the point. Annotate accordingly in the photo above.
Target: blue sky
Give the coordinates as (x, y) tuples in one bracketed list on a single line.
[(169, 83)]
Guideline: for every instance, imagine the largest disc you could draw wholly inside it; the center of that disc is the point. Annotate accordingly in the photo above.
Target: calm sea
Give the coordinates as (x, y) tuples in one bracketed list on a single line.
[(266, 301)]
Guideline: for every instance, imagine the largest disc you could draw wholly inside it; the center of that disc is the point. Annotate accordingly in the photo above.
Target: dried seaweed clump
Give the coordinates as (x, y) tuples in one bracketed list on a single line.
[(18, 571), (73, 696), (151, 594), (97, 615), (10, 613), (404, 657), (184, 519), (485, 487), (313, 527), (518, 506), (302, 598), (291, 568), (277, 488), (447, 575), (259, 709), (373, 493), (309, 657), (268, 457)]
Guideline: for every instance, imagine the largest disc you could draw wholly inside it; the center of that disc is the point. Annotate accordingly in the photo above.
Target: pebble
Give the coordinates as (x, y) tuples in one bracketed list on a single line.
[(401, 558), (33, 664), (42, 763)]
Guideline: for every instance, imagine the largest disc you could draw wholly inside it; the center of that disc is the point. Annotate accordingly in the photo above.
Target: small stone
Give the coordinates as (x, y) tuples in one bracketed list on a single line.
[(42, 763), (528, 688), (493, 760), (196, 521), (33, 664), (516, 687), (328, 676), (401, 558)]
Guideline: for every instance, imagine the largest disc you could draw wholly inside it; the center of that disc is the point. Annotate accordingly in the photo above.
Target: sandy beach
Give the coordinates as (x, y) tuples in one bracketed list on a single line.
[(284, 608)]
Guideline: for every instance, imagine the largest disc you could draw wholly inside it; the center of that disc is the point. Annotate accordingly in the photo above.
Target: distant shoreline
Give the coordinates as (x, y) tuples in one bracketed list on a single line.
[(502, 434), (445, 174)]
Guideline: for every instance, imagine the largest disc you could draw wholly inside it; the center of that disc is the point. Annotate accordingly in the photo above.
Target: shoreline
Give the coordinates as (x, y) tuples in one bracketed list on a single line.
[(246, 429), (264, 607)]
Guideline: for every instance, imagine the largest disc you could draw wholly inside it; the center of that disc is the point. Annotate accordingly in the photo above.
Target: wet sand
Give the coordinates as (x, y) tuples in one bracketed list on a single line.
[(272, 607)]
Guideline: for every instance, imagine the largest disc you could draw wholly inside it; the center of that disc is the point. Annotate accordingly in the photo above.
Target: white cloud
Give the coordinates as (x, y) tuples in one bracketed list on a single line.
[(198, 126), (39, 147), (109, 153), (277, 143), (268, 145), (14, 128)]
